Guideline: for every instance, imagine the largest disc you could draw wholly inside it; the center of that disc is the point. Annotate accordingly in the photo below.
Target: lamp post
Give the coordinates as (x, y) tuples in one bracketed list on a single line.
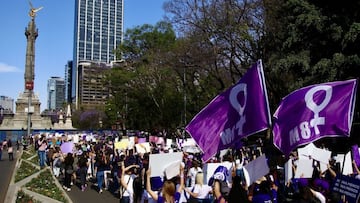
[(184, 77), (29, 86)]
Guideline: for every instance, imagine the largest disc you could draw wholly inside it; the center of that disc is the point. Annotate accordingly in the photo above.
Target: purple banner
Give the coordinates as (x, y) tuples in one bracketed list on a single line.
[(348, 186), (355, 154), (240, 111), (313, 112)]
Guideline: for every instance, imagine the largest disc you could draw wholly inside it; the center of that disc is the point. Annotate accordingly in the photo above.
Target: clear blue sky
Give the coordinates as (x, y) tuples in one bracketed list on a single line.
[(53, 47)]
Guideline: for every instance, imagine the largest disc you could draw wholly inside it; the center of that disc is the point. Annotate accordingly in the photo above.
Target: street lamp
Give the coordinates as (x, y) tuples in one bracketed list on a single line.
[(29, 85)]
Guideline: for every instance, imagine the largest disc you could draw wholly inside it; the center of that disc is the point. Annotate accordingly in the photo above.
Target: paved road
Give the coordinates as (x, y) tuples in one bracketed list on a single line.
[(6, 171), (90, 194)]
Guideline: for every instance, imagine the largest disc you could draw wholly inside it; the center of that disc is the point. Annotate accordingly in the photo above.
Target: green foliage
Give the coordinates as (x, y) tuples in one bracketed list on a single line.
[(45, 184), (22, 197), (25, 170), (313, 42)]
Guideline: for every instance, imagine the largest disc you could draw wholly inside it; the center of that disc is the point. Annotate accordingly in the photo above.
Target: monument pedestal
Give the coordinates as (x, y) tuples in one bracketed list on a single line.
[(20, 119)]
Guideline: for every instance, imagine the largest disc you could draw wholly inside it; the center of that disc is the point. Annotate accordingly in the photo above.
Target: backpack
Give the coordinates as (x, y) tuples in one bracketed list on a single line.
[(37, 145)]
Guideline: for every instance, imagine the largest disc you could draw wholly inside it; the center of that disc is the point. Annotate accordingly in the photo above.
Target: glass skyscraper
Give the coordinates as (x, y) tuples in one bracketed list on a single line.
[(56, 93), (98, 31)]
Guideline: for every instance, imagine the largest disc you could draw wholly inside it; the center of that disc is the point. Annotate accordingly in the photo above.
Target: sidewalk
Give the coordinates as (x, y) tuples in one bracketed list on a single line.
[(7, 169), (9, 189)]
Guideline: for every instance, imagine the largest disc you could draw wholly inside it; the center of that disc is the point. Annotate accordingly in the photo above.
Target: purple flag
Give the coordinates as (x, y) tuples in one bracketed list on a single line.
[(355, 154), (313, 112), (240, 111)]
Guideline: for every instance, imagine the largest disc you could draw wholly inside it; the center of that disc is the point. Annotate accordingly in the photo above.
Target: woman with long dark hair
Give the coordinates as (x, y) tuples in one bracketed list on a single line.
[(69, 170)]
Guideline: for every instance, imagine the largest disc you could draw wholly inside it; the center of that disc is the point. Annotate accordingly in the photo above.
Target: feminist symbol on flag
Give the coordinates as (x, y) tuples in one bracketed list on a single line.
[(228, 135), (310, 104), (236, 104)]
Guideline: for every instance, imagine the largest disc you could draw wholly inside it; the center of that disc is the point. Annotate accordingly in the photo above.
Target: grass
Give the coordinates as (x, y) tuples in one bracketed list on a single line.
[(25, 170)]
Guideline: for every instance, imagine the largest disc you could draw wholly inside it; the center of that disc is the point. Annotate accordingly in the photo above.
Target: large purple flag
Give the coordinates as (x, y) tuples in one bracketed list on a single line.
[(313, 112), (240, 111)]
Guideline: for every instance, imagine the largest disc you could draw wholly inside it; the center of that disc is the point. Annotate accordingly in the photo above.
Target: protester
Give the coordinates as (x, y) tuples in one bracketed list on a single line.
[(168, 193), (219, 184), (69, 170), (132, 183), (1, 149), (237, 191), (42, 146), (101, 165), (57, 162), (200, 191), (83, 167), (10, 150), (191, 175)]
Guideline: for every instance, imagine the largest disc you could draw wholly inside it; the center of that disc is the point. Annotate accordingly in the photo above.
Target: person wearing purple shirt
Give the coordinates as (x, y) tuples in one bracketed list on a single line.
[(266, 193)]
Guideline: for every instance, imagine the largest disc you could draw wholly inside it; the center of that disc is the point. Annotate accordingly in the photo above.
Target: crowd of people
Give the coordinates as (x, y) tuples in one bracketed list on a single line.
[(126, 173)]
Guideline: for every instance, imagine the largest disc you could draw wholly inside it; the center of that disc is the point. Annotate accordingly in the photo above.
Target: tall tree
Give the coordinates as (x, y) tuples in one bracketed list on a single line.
[(146, 86), (310, 42)]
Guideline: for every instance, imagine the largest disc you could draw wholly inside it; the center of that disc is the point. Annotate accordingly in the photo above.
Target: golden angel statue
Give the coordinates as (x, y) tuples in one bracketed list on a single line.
[(33, 11)]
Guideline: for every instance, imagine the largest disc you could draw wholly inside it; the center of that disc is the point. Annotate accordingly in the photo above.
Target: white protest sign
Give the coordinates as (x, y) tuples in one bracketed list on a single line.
[(143, 147), (169, 142), (288, 171), (307, 150), (348, 167), (257, 168), (75, 138), (304, 168), (172, 169), (340, 159), (157, 162)]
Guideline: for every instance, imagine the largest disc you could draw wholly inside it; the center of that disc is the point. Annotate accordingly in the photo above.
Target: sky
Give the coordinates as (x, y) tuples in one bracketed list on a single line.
[(54, 44)]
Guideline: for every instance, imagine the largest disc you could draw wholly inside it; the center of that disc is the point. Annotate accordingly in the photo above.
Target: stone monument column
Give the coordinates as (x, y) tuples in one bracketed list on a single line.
[(28, 104), (27, 115)]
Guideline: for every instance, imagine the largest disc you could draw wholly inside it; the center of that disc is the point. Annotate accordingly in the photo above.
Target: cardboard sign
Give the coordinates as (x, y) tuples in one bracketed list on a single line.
[(123, 144), (257, 168), (158, 162), (172, 169), (143, 147), (288, 171), (67, 147), (304, 168)]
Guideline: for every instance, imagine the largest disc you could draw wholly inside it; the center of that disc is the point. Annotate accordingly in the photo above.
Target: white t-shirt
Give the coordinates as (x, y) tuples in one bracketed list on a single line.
[(192, 174), (129, 179), (202, 191), (130, 190)]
